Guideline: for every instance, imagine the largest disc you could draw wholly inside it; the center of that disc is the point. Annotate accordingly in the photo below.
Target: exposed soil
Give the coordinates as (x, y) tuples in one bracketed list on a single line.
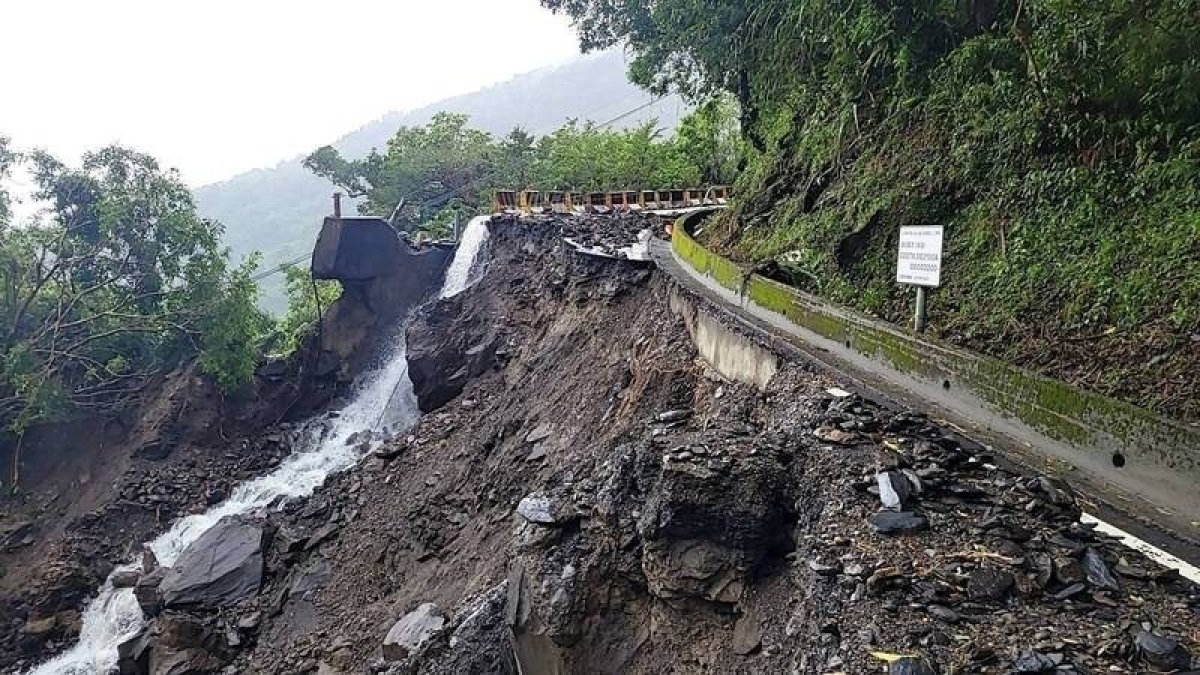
[(588, 496), (94, 490)]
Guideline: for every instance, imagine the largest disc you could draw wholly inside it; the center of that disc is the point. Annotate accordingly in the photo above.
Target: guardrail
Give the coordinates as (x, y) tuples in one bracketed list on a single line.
[(1143, 465), (538, 201)]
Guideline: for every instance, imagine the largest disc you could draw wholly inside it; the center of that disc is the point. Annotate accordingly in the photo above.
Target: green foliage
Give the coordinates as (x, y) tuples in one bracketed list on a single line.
[(711, 138), (119, 282), (7, 159), (422, 169), (1057, 140), (448, 170), (232, 328), (303, 314)]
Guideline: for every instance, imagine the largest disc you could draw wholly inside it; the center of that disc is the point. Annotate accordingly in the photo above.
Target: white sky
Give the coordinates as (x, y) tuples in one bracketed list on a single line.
[(217, 87)]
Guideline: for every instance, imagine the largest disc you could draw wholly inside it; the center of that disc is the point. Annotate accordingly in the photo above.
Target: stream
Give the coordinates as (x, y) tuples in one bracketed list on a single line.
[(382, 398)]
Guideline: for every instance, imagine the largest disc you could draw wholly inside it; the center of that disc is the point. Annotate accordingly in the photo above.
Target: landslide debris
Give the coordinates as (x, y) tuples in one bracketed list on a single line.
[(593, 498)]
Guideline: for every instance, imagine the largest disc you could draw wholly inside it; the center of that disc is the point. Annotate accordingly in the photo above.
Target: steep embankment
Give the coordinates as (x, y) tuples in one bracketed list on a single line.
[(95, 489), (593, 497)]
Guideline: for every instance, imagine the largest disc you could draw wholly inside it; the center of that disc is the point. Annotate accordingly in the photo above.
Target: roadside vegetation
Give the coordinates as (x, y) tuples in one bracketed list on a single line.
[(447, 169), (115, 283), (1056, 140)]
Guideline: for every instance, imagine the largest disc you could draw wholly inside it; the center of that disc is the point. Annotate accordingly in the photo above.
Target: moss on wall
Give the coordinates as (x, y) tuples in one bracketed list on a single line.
[(1056, 409)]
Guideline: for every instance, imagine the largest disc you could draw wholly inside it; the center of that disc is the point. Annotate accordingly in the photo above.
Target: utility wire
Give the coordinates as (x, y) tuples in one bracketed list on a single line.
[(447, 193)]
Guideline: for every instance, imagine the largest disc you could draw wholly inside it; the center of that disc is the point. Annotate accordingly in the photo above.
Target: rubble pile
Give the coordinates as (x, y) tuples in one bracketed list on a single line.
[(587, 495)]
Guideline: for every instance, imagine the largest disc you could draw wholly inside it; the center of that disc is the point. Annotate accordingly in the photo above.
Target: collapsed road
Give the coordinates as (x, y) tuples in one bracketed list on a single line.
[(586, 493)]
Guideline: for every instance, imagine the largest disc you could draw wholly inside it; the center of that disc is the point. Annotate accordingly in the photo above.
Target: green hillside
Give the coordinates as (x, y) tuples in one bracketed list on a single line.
[(278, 210)]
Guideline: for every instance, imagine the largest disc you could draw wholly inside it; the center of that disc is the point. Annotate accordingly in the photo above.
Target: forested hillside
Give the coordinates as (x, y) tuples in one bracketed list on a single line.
[(1058, 141), (278, 210), (117, 284)]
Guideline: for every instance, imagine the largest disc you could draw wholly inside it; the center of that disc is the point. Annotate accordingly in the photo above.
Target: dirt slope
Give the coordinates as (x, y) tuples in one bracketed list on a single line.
[(596, 499)]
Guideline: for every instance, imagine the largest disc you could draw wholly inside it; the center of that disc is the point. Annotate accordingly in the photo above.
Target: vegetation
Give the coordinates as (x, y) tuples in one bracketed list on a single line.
[(118, 281), (1056, 140), (448, 170), (278, 210), (307, 301)]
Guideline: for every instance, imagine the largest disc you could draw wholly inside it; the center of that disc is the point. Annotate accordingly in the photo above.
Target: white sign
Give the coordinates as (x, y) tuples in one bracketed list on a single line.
[(920, 259)]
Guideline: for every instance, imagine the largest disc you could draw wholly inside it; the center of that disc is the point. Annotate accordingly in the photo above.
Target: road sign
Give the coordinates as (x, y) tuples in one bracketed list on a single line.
[(920, 258)]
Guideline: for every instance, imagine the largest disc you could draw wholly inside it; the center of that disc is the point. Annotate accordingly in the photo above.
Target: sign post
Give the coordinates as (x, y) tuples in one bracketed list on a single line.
[(919, 263)]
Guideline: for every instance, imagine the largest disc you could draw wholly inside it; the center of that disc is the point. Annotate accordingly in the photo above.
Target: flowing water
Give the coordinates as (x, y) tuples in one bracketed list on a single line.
[(467, 266), (382, 399)]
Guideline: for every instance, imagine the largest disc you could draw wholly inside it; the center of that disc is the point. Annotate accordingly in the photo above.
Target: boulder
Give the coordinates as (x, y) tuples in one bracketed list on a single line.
[(412, 631), (222, 567), (312, 577), (146, 591), (133, 655), (125, 578), (542, 510), (705, 529)]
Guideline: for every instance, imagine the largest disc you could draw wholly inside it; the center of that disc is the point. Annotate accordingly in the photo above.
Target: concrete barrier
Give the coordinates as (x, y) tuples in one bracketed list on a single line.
[(1140, 464)]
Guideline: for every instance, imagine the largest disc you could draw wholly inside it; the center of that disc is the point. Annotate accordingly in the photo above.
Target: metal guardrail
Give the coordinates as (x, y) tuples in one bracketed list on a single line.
[(538, 201)]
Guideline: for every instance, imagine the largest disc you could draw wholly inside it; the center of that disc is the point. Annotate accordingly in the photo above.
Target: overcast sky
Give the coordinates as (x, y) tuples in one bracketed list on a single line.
[(216, 87)]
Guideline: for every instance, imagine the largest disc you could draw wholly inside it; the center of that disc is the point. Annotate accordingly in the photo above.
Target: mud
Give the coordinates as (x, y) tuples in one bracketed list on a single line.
[(591, 496)]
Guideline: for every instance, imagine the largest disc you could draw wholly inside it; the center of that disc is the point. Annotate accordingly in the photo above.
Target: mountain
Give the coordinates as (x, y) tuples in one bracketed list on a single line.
[(277, 211)]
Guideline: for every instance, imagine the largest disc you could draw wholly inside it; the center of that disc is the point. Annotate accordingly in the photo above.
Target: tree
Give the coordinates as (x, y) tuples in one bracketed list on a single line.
[(447, 170), (424, 168), (711, 137), (120, 282), (306, 302), (7, 159)]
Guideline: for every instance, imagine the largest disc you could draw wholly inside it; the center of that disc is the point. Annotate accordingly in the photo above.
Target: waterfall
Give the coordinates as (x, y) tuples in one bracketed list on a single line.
[(467, 265), (382, 398)]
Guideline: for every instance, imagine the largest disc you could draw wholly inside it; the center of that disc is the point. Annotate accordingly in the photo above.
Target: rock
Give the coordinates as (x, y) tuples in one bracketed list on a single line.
[(185, 644), (944, 613), (133, 655), (1162, 651), (1034, 662), (39, 628), (542, 511), (1067, 570), (321, 535), (18, 535), (273, 369), (673, 416), (1043, 566), (823, 569), (412, 631), (250, 621), (895, 490), (988, 583), (747, 635), (125, 578), (909, 665), (222, 567), (1057, 492), (315, 575), (1097, 572), (1070, 591), (154, 450), (537, 454), (1132, 572), (146, 591), (540, 433), (898, 522), (837, 436)]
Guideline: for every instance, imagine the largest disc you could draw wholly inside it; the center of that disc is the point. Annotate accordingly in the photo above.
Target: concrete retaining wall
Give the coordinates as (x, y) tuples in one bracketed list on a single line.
[(730, 354), (1081, 434)]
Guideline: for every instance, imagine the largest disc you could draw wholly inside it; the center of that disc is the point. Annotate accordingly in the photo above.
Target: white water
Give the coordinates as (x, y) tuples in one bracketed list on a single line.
[(382, 399), (465, 269)]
